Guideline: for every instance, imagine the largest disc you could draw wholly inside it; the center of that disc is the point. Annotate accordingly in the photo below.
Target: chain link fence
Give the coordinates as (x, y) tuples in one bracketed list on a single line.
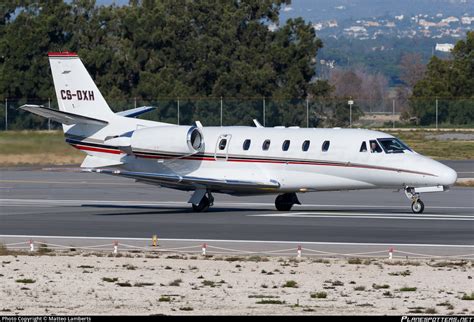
[(367, 113)]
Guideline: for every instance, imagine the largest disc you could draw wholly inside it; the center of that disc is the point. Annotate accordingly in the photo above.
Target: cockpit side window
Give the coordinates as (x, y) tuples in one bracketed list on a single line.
[(363, 147), (375, 147), (393, 145)]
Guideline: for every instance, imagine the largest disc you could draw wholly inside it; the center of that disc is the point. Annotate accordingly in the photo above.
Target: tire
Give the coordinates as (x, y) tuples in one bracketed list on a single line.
[(417, 206), (282, 204), (203, 205)]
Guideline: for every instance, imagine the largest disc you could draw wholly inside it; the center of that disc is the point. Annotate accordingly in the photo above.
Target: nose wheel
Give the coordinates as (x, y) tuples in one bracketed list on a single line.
[(417, 206)]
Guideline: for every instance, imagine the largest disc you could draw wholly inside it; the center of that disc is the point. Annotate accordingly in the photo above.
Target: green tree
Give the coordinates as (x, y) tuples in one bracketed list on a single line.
[(452, 81)]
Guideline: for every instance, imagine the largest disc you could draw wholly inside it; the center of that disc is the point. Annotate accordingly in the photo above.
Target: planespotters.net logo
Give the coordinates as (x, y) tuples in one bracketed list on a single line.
[(437, 318)]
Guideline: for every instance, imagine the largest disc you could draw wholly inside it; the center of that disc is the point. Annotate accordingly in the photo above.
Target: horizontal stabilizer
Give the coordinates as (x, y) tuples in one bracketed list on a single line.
[(61, 116), (134, 112), (95, 162)]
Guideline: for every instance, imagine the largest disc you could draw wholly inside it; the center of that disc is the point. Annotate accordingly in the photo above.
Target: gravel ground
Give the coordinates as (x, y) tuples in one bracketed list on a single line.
[(136, 284)]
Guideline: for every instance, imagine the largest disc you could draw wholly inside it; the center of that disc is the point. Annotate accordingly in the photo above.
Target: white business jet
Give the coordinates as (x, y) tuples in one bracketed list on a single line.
[(236, 160)]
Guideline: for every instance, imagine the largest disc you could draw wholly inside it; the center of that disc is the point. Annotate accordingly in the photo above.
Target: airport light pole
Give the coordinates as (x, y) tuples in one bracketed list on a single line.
[(307, 113), (350, 102), (393, 113), (436, 113), (6, 114), (221, 111), (178, 110), (49, 120), (264, 112)]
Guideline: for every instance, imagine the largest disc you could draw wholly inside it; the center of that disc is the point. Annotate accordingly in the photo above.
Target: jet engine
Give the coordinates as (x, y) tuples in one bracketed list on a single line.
[(182, 140), (173, 139)]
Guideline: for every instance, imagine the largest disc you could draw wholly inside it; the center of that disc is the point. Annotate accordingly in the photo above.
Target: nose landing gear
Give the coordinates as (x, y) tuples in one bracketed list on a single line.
[(417, 206), (285, 201)]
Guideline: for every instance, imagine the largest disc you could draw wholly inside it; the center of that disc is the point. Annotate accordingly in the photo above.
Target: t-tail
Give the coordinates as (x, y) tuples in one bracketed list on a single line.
[(75, 90)]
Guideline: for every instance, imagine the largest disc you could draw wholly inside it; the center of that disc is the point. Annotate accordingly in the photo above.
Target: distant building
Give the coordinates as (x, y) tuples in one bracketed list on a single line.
[(444, 47), (450, 20), (318, 26), (467, 20), (400, 17)]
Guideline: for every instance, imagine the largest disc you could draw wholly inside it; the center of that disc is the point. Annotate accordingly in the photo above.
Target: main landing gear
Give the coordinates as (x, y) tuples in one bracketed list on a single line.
[(417, 206), (285, 201), (203, 205)]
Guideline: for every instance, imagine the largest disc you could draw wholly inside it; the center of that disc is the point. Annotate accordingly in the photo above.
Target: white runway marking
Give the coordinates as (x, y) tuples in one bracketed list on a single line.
[(71, 202), (366, 216)]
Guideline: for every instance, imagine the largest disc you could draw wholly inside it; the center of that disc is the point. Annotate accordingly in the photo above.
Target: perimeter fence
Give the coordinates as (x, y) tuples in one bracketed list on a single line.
[(385, 113)]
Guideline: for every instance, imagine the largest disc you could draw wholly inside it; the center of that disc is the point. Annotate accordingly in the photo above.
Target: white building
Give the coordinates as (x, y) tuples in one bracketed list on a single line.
[(450, 20), (444, 47), (467, 20)]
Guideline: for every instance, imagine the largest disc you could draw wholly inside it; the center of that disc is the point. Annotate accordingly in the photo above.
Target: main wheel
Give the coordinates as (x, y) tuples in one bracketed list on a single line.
[(203, 205), (282, 203), (417, 206)]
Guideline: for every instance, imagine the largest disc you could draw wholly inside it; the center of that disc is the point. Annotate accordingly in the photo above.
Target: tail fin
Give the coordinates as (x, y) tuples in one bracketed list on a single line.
[(75, 89)]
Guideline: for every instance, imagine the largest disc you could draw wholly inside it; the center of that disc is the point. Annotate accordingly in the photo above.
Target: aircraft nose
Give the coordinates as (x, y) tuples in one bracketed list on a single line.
[(447, 176)]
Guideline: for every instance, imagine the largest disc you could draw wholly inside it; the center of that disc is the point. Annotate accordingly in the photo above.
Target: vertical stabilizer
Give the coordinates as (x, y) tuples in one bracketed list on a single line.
[(75, 89)]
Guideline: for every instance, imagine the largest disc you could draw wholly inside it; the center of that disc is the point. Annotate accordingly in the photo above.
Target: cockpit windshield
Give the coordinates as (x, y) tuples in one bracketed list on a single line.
[(393, 145)]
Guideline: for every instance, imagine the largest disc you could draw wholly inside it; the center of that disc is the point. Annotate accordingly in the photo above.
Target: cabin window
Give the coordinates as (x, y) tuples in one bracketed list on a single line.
[(286, 145), (363, 147), (222, 144), (325, 146), (305, 145), (375, 147), (266, 145), (246, 145)]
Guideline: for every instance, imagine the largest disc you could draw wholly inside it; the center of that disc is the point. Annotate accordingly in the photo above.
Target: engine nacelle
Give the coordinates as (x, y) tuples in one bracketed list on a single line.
[(174, 139)]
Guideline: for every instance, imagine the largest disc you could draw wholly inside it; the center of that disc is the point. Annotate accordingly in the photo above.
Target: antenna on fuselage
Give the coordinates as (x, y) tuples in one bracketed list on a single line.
[(257, 123)]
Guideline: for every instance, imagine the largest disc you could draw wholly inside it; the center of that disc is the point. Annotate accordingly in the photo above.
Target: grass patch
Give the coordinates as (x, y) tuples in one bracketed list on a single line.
[(209, 283), (319, 295), (380, 286), (270, 302), (124, 284), (262, 297), (110, 279), (423, 143), (402, 263), (164, 299), (25, 281), (186, 308), (292, 284), (403, 273), (359, 288), (176, 282), (354, 261), (467, 297), (407, 289), (37, 148), (141, 284)]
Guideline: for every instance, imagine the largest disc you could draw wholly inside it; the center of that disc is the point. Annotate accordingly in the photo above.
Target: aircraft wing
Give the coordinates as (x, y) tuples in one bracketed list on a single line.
[(60, 116), (190, 181)]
